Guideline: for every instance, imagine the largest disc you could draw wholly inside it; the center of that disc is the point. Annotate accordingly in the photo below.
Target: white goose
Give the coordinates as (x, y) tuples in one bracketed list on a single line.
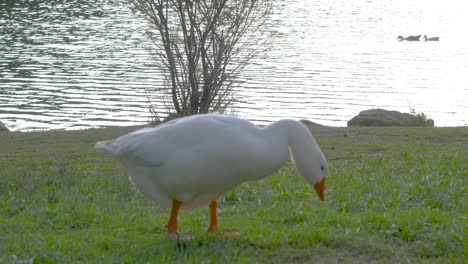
[(189, 162)]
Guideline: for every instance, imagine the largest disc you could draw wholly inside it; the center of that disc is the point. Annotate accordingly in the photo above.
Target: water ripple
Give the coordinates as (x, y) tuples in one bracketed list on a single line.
[(77, 64)]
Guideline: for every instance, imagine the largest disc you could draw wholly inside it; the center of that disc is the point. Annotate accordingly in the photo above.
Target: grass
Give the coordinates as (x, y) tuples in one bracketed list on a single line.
[(394, 195)]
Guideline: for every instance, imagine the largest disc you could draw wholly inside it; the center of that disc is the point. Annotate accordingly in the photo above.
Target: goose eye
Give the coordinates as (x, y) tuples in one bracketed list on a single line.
[(322, 167)]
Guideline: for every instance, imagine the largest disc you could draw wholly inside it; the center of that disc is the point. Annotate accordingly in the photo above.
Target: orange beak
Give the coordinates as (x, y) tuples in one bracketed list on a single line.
[(320, 188)]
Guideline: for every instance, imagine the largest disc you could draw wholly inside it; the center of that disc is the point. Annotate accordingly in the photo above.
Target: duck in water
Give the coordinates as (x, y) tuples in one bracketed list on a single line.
[(425, 38), (409, 38)]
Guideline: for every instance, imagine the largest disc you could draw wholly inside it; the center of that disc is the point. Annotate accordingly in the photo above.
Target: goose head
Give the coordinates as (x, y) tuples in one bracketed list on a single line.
[(308, 158), (314, 170)]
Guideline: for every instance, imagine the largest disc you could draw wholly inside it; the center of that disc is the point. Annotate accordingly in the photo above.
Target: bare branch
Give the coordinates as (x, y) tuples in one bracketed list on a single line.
[(203, 46)]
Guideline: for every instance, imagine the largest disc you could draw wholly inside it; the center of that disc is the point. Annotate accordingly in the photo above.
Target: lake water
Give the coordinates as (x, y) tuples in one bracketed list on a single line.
[(77, 64)]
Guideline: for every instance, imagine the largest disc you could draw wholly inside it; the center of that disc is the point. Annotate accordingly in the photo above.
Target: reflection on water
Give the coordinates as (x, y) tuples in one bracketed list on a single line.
[(73, 64), (78, 64)]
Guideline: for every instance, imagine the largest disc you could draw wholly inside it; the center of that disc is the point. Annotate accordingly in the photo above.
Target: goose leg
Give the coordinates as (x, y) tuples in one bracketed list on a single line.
[(213, 217), (172, 225)]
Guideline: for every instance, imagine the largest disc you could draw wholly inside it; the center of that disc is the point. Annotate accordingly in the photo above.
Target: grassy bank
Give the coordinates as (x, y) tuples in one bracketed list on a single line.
[(394, 195)]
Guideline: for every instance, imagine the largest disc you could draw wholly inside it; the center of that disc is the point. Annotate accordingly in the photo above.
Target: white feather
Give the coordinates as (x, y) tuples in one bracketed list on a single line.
[(195, 159)]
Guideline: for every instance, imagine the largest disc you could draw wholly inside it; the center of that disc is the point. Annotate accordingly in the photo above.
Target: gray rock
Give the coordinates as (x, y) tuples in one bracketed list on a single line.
[(381, 117), (3, 127)]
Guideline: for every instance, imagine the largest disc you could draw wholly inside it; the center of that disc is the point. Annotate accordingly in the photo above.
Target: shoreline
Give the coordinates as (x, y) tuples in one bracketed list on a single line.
[(379, 135), (148, 125)]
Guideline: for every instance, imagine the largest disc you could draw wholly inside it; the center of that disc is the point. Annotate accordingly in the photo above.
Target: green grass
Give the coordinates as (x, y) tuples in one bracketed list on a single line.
[(393, 195)]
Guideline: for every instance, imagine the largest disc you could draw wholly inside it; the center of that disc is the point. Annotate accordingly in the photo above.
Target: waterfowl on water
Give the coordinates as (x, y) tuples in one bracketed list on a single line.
[(189, 162), (409, 38), (425, 38)]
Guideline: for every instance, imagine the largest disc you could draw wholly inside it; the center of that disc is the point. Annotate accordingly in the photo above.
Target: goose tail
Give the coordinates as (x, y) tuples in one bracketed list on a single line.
[(105, 145)]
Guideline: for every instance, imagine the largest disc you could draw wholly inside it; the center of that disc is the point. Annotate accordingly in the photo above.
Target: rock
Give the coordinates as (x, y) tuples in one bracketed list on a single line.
[(3, 127), (429, 123), (381, 117)]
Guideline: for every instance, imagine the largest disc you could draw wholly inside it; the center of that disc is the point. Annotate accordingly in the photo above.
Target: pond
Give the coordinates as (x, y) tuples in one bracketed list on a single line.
[(77, 64)]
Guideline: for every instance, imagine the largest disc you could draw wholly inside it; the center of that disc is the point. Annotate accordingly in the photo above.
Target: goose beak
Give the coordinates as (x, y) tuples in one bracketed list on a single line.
[(320, 188)]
